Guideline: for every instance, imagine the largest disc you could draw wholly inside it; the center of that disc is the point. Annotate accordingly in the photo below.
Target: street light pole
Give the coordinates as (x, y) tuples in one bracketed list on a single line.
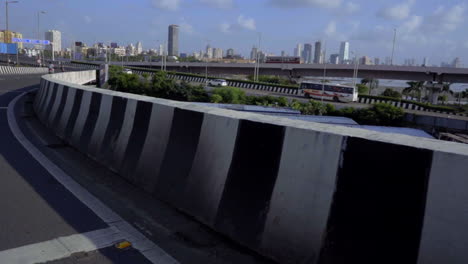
[(8, 38), (393, 48), (39, 32)]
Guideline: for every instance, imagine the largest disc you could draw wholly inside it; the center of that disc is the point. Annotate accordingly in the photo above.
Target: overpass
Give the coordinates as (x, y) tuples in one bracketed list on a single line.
[(437, 74)]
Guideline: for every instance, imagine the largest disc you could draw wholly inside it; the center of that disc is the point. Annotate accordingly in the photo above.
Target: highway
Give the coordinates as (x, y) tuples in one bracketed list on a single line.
[(36, 209)]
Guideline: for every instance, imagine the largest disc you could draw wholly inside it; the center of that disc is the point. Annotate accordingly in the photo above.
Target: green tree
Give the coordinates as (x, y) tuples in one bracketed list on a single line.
[(391, 93), (371, 82), (362, 89), (443, 98), (414, 89), (216, 98)]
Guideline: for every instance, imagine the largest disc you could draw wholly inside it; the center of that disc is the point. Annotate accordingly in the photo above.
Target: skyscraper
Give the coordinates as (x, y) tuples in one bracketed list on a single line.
[(209, 52), (139, 47), (334, 58), (173, 40), (298, 50), (426, 61), (218, 53), (307, 53), (344, 52), (230, 53), (55, 37), (253, 53), (318, 52)]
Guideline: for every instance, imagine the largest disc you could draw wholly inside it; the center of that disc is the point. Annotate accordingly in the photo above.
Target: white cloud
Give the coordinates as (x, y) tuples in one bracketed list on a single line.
[(413, 24), (330, 30), (397, 12), (351, 8), (167, 4), (466, 44), (306, 3), (225, 28), (247, 23), (88, 19), (445, 20), (218, 3)]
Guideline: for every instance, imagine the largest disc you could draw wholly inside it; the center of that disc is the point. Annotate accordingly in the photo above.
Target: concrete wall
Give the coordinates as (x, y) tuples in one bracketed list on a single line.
[(295, 191), (22, 70), (76, 77)]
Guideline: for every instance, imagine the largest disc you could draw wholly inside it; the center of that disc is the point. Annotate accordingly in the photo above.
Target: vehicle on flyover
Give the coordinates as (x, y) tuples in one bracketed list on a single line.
[(217, 82), (283, 59), (335, 92)]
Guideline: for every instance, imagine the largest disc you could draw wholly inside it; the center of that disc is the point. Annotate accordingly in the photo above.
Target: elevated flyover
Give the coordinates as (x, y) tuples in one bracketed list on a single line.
[(295, 191), (437, 74)]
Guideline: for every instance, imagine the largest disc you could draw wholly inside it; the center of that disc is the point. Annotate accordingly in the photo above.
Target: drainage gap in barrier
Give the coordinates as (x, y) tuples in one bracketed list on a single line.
[(378, 207)]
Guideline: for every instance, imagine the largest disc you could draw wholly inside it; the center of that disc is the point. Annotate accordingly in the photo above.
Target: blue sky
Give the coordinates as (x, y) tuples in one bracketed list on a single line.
[(432, 28)]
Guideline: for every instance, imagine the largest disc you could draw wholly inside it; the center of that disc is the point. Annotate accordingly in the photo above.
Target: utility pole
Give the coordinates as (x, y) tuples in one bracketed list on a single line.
[(393, 48), (8, 36), (324, 74)]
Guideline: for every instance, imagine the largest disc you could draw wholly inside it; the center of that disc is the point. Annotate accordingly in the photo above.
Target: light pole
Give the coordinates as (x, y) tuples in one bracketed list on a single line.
[(39, 32), (355, 69), (257, 58), (393, 48), (9, 38), (324, 74)]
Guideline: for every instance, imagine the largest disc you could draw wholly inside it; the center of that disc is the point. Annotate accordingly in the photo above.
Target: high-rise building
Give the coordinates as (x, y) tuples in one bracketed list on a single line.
[(217, 53), (173, 40), (307, 53), (253, 53), (344, 52), (365, 60), (426, 61), (139, 47), (456, 63), (298, 50), (131, 50), (335, 58), (161, 50), (230, 53), (55, 38), (318, 52), (209, 52), (114, 45), (376, 61), (283, 53)]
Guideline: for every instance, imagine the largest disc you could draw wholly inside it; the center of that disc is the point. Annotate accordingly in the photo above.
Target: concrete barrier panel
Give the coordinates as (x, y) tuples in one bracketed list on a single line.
[(101, 125), (59, 111), (302, 196), (66, 113), (250, 182), (124, 135), (205, 184), (444, 236), (81, 118), (149, 165)]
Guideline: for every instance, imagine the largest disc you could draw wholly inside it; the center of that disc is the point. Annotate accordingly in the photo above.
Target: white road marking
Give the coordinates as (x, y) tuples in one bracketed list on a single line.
[(146, 247), (62, 247)]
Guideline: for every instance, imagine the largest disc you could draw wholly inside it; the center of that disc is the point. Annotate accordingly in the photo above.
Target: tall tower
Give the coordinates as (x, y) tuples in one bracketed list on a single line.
[(173, 40), (344, 52), (139, 47), (318, 52), (307, 53), (298, 50), (55, 37)]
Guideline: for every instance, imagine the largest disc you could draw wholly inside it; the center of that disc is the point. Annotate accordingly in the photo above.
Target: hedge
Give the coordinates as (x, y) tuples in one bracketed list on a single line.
[(424, 105)]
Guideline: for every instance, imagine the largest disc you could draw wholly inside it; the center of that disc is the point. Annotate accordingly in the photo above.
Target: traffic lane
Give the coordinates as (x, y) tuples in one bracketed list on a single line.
[(34, 206), (13, 82)]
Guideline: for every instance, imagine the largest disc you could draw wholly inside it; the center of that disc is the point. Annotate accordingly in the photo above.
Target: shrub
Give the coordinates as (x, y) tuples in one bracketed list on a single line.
[(391, 93), (230, 95), (362, 89)]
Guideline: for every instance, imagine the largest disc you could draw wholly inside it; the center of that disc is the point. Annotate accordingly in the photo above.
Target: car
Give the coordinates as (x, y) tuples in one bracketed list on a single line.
[(217, 82), (128, 71)]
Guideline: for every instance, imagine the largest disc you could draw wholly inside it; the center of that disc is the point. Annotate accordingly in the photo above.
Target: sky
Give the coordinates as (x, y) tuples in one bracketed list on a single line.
[(425, 28)]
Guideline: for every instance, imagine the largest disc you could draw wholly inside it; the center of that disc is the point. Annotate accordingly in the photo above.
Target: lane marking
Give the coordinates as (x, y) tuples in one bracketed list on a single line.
[(61, 247), (146, 247)]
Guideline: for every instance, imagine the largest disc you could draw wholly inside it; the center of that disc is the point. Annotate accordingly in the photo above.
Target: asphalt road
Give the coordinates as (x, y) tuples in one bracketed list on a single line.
[(34, 207)]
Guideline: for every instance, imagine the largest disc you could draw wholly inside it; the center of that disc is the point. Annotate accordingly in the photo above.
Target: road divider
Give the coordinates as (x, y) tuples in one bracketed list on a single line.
[(4, 70)]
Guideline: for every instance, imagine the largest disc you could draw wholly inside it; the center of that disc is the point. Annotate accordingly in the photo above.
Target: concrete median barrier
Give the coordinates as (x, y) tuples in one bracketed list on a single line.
[(295, 191), (4, 70)]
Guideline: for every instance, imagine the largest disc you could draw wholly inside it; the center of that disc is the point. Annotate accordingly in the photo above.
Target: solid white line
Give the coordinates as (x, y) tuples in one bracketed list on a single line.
[(61, 247), (150, 250)]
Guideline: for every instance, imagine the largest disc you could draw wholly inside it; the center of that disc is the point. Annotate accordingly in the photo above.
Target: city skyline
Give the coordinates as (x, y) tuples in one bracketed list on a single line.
[(421, 31)]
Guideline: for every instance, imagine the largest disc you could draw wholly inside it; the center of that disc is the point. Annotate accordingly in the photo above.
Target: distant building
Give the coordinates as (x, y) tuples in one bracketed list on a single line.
[(376, 61), (456, 63), (230, 53), (173, 40), (217, 53), (183, 55), (7, 36), (318, 52), (344, 52), (209, 52), (55, 38), (114, 45), (131, 50), (253, 53), (161, 50), (307, 53), (283, 53), (335, 58), (388, 61), (365, 61), (119, 51), (139, 48), (425, 61), (298, 50)]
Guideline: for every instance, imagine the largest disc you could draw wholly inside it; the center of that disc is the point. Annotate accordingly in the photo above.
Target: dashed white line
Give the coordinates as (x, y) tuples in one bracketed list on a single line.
[(146, 247)]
